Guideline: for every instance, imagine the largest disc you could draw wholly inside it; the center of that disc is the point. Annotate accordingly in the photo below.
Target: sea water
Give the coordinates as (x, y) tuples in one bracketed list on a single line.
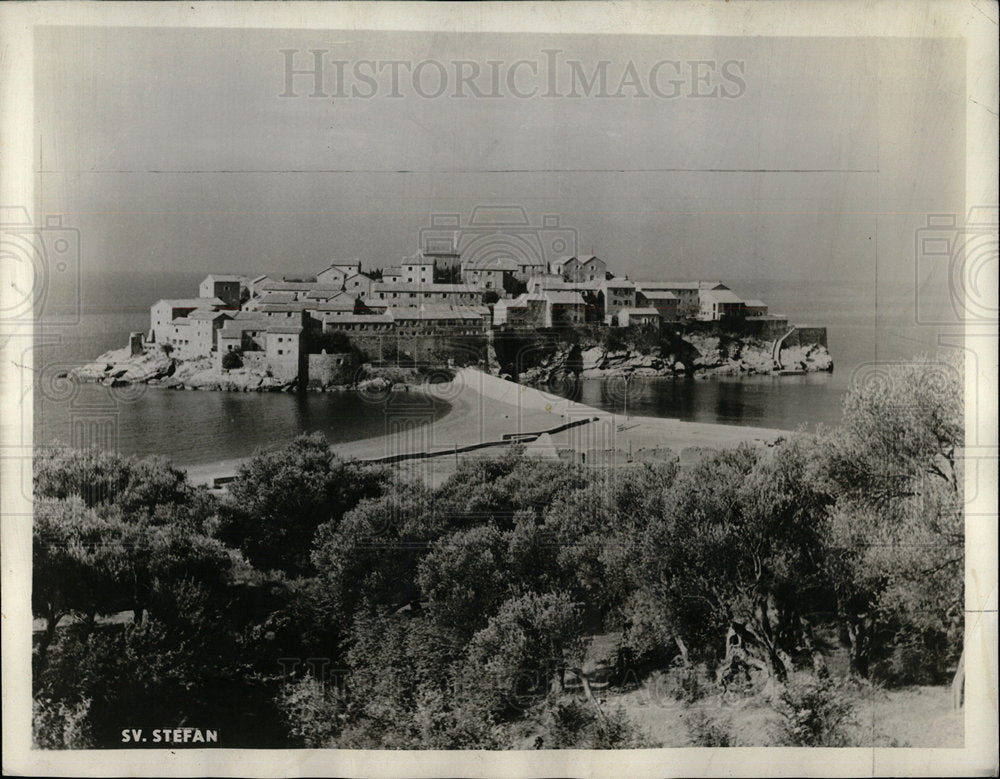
[(192, 427)]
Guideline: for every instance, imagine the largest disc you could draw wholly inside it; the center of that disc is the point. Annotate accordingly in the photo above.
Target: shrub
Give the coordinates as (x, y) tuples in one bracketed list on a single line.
[(167, 349), (333, 342), (614, 339), (815, 712), (708, 731), (312, 712), (915, 656), (686, 682), (232, 360), (579, 725), (570, 722), (58, 725)]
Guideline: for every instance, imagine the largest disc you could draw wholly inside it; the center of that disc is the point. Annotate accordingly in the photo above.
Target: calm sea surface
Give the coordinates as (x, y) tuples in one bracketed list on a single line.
[(199, 427)]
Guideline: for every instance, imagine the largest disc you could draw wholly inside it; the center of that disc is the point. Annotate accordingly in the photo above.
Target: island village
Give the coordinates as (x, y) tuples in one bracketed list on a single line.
[(270, 332)]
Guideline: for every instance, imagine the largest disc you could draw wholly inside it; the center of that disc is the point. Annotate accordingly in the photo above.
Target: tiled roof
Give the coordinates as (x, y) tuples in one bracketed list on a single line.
[(337, 304), (678, 284), (722, 296), (234, 327), (190, 302), (343, 264), (272, 296), (206, 314), (492, 264), (436, 312), (640, 311), (404, 286), (222, 277), (564, 298), (657, 294), (326, 294), (384, 318), (291, 329), (522, 300), (296, 286)]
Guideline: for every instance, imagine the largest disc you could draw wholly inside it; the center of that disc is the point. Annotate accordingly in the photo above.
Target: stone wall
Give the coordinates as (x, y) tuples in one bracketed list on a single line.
[(806, 336), (383, 348), (256, 361), (330, 369), (767, 329)]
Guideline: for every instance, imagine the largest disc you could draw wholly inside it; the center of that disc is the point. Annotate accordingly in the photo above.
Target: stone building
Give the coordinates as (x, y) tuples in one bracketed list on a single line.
[(224, 286)]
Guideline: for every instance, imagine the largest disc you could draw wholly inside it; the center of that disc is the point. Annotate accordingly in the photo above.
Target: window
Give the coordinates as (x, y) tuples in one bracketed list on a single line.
[(280, 351)]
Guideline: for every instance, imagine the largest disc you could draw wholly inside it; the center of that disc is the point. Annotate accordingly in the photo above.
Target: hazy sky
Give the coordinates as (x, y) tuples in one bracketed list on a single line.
[(174, 149)]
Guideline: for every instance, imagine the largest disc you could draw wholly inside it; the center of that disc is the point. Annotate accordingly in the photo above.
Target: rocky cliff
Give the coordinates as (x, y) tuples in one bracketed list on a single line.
[(153, 367), (119, 367), (696, 355)]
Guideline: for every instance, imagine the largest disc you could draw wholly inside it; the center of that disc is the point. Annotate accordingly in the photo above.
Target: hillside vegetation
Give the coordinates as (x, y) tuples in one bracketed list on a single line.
[(760, 596)]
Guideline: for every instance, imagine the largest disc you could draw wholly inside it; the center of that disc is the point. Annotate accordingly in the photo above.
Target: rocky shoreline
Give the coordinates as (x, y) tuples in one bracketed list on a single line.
[(119, 367), (705, 356), (709, 356)]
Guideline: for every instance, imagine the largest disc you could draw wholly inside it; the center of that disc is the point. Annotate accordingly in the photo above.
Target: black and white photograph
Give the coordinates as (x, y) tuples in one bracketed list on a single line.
[(487, 389)]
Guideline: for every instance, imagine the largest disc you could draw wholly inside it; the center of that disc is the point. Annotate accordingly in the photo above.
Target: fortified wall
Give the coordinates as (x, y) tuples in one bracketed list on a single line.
[(806, 336), (325, 370)]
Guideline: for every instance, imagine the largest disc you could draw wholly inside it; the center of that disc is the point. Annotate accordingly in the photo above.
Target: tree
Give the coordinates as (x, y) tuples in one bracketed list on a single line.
[(136, 486), (76, 564), (737, 552), (334, 342), (370, 557), (312, 710), (87, 563), (462, 579), (481, 490), (595, 531), (523, 651), (189, 668), (897, 544), (279, 499), (232, 360)]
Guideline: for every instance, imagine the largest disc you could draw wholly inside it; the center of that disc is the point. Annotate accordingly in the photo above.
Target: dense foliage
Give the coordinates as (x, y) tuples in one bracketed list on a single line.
[(324, 602)]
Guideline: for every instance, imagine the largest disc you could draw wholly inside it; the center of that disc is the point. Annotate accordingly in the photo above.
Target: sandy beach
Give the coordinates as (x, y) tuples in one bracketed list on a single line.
[(486, 409)]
